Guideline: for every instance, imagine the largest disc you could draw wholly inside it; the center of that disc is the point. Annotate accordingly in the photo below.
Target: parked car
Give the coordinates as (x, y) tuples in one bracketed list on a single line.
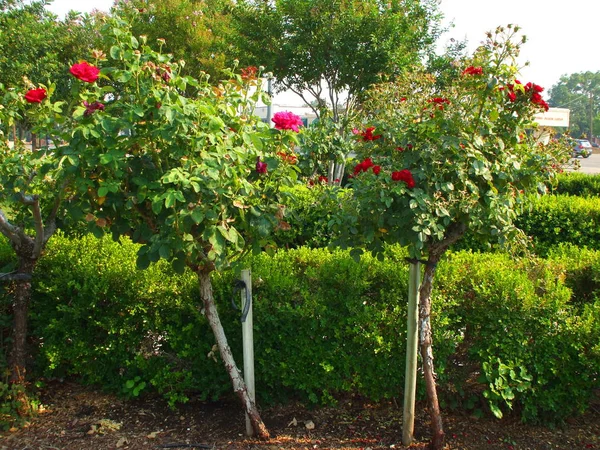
[(582, 147)]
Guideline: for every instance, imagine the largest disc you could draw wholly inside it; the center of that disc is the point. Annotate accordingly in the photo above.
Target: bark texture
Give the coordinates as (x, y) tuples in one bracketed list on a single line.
[(20, 307), (436, 250), (239, 387)]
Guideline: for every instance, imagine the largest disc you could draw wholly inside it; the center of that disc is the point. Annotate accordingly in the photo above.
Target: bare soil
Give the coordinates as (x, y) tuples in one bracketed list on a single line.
[(81, 418)]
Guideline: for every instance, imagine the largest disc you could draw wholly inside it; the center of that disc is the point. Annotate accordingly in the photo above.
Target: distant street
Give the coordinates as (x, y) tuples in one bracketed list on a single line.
[(590, 165)]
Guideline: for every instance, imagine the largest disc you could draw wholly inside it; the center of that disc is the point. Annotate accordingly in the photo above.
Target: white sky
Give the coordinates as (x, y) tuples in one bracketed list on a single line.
[(563, 36)]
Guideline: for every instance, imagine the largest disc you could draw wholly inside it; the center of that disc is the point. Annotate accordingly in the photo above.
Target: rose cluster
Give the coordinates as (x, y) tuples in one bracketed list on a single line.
[(401, 175), (367, 135), (84, 72), (530, 91)]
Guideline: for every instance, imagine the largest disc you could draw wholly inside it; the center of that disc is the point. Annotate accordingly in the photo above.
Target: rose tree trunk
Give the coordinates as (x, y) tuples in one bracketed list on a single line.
[(20, 309), (239, 387), (436, 250)]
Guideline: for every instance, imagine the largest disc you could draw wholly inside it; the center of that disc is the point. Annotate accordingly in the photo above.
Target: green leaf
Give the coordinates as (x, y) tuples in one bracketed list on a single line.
[(103, 191), (115, 52), (179, 265), (164, 251), (496, 411), (228, 233), (197, 215), (142, 261)]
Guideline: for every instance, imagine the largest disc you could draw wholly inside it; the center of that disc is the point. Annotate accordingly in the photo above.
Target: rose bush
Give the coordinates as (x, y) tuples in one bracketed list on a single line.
[(194, 178), (455, 153)]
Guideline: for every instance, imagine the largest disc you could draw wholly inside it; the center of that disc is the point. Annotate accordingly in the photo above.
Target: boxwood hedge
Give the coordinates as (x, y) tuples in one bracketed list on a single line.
[(508, 334)]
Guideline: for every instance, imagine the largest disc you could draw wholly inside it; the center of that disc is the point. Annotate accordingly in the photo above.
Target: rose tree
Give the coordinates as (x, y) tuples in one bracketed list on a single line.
[(450, 156), (195, 179), (30, 197)]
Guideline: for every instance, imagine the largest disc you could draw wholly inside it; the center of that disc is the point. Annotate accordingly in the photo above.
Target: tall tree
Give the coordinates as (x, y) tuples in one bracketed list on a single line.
[(333, 50), (580, 92)]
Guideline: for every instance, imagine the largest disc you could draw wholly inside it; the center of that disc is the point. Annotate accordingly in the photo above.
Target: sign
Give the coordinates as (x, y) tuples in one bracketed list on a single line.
[(554, 117)]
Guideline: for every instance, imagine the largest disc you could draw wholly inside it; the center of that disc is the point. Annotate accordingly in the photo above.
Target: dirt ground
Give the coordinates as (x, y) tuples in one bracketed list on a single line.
[(81, 418)]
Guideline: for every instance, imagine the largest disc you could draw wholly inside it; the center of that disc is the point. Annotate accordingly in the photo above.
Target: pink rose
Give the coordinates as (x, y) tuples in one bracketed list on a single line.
[(285, 120), (261, 167)]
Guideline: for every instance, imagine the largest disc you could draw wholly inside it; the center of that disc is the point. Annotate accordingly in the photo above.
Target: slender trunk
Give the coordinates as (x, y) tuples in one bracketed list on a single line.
[(426, 343), (435, 252), (20, 308), (239, 387)]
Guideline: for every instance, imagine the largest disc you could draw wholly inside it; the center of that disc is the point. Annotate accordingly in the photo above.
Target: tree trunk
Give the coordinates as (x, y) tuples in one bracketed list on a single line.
[(426, 343), (20, 308), (239, 387), (435, 252)]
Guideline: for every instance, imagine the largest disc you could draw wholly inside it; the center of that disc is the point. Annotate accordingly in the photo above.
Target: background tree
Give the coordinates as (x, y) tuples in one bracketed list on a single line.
[(332, 50), (34, 44), (580, 92), (448, 158), (197, 31), (329, 52)]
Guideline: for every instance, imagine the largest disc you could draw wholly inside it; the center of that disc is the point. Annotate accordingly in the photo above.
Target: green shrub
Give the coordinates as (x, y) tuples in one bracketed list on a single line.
[(326, 325), (580, 269), (510, 331), (520, 333), (309, 210), (555, 219), (578, 184), (97, 317)]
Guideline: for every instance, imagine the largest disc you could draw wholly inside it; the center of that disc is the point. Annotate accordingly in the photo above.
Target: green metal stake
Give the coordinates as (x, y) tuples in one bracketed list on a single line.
[(412, 342), (248, 343)]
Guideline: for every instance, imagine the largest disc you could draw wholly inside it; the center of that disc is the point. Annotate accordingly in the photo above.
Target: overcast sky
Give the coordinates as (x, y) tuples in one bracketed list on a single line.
[(563, 37)]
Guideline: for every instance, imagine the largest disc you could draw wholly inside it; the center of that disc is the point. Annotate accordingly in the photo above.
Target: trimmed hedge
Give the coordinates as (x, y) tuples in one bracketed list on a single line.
[(518, 333), (554, 219), (97, 317), (549, 220), (579, 184)]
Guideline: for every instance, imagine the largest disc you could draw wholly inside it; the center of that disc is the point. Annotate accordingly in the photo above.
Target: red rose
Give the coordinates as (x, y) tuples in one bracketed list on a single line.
[(249, 73), (36, 95), (512, 96), (368, 135), (90, 108), (376, 170), (85, 72), (473, 71), (406, 176), (363, 166)]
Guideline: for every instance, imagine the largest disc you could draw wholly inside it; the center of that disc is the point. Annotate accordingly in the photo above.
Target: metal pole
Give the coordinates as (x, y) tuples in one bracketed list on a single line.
[(412, 342), (248, 344), (269, 107)]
